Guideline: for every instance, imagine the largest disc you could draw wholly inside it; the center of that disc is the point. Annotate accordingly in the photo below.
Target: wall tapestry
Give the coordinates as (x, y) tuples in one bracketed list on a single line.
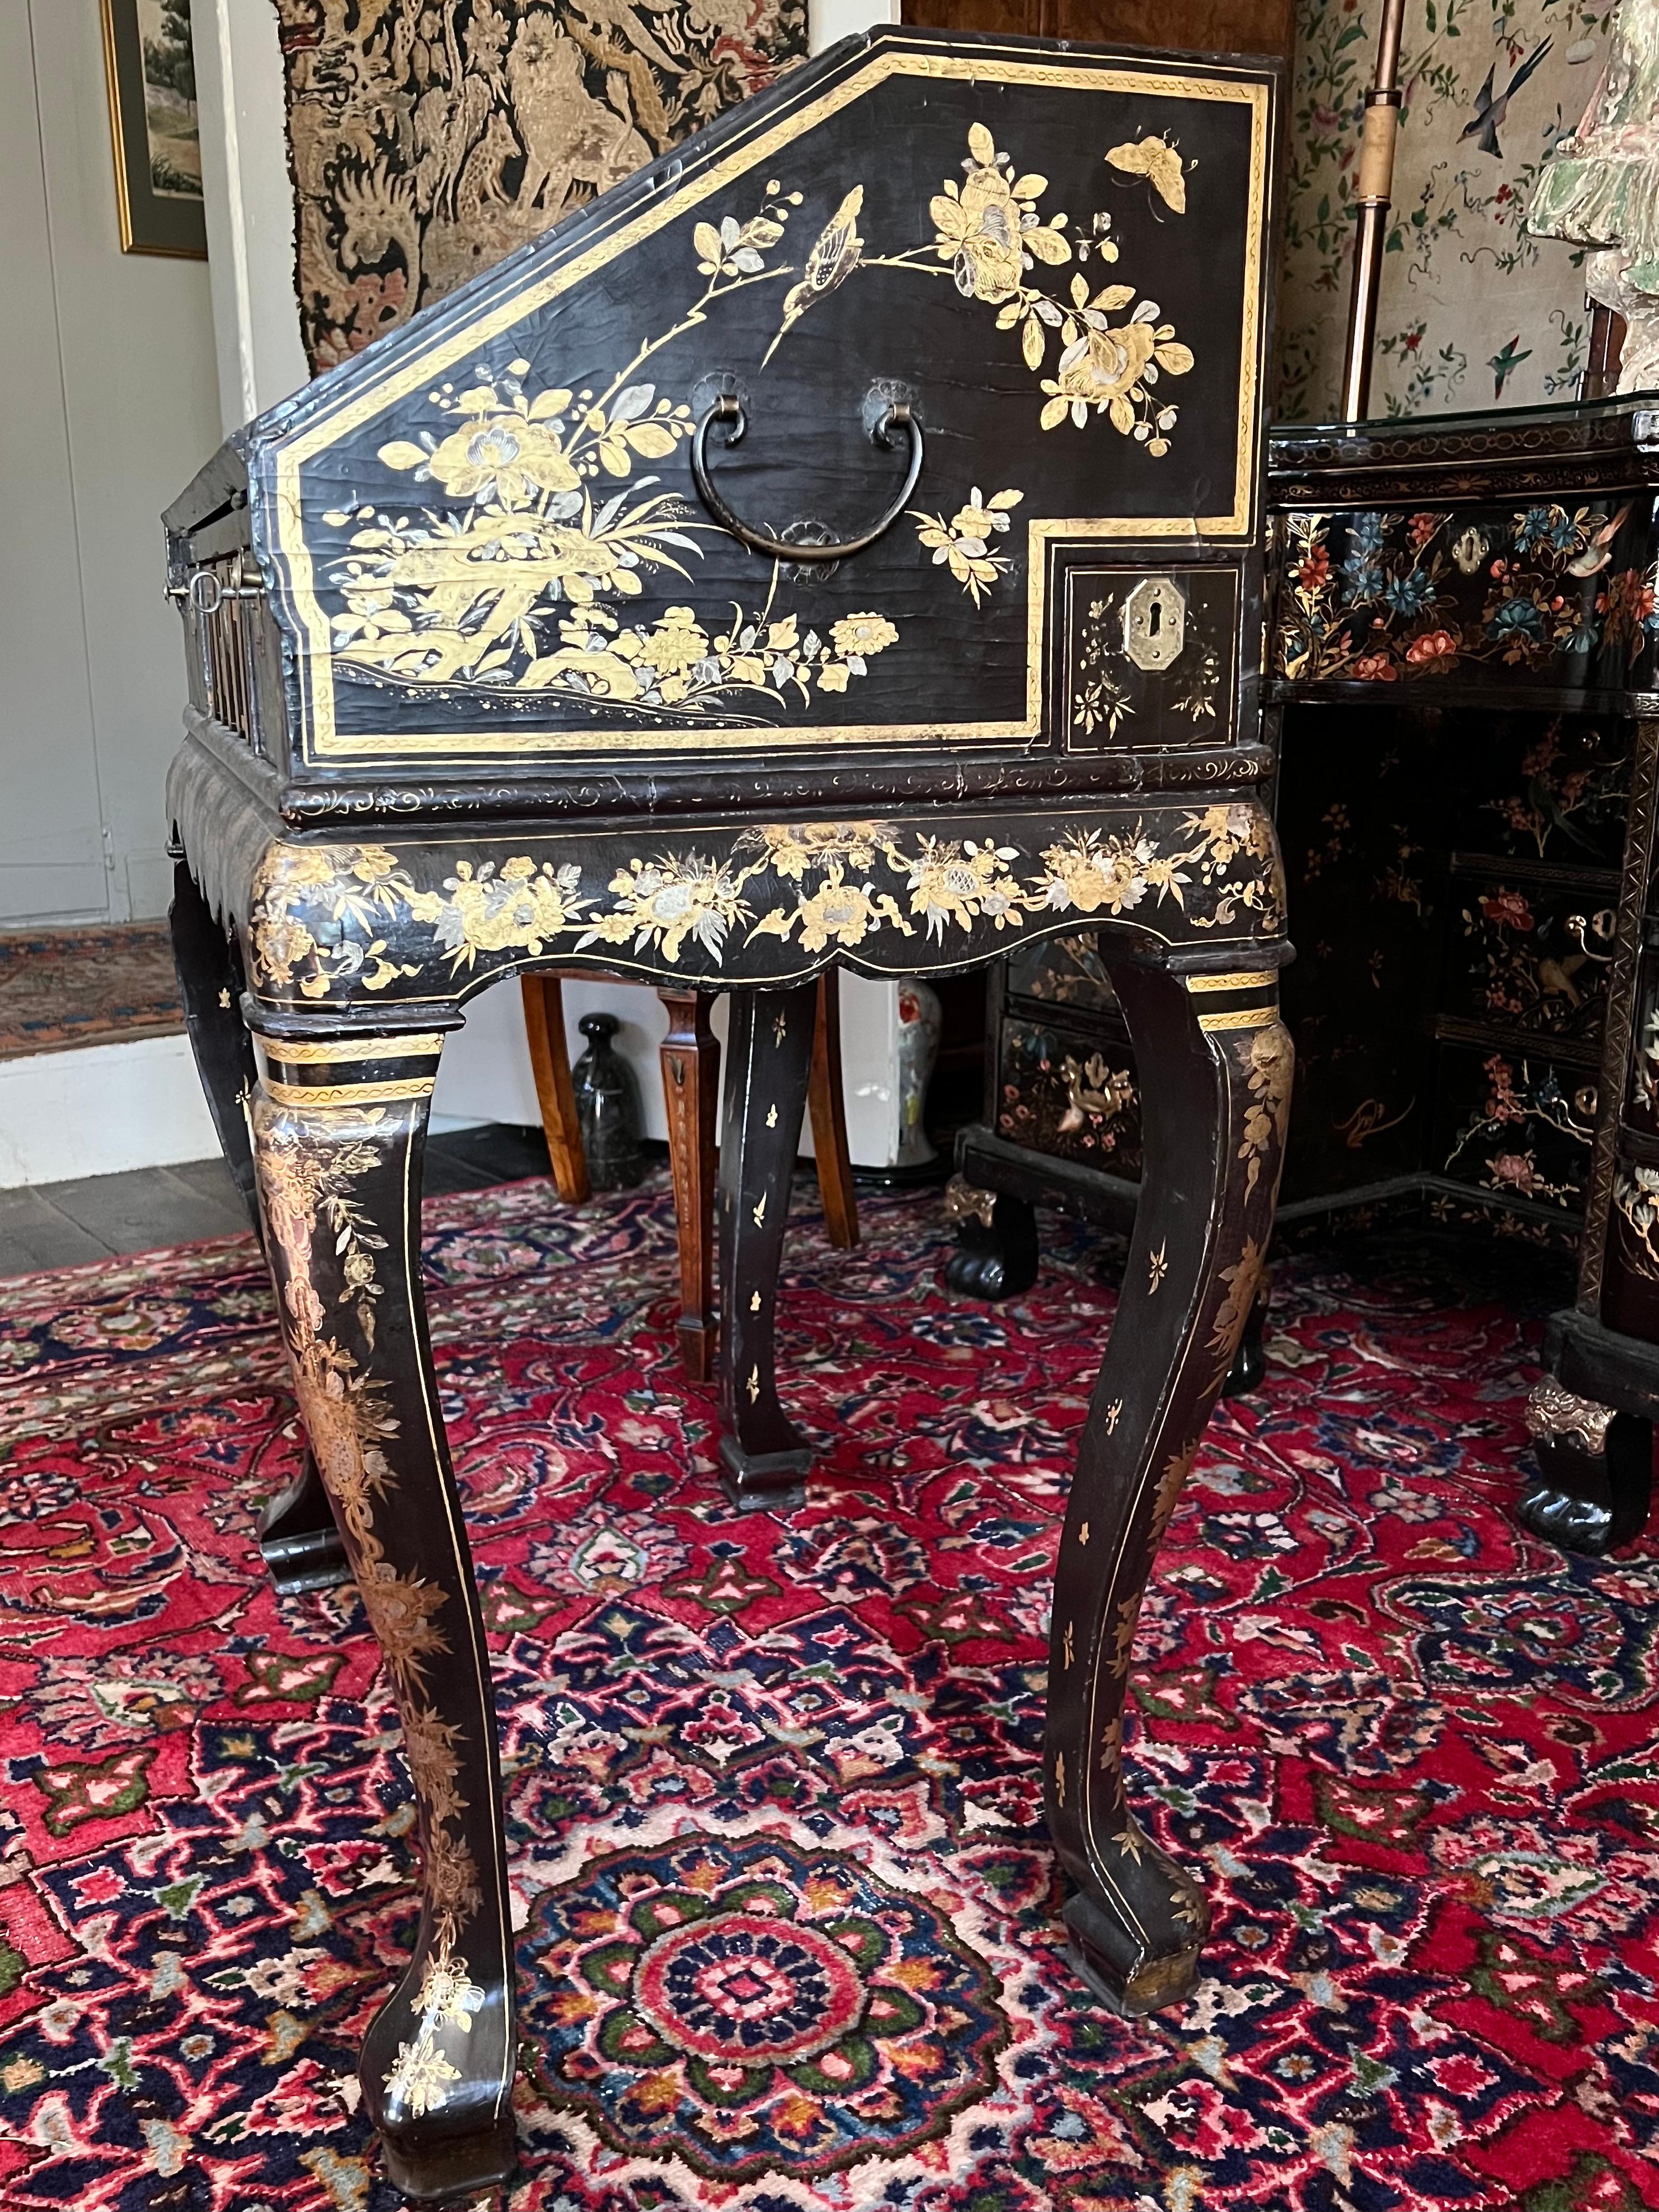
[(1473, 313), (427, 138)]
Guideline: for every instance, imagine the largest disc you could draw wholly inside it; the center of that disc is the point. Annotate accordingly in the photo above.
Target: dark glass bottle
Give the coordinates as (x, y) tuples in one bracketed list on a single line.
[(608, 1108)]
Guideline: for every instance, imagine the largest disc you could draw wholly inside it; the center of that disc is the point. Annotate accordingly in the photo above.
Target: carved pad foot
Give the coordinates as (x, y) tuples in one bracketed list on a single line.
[(299, 1540), (996, 1254), (770, 1482), (455, 2172), (1149, 1970), (1593, 1486)]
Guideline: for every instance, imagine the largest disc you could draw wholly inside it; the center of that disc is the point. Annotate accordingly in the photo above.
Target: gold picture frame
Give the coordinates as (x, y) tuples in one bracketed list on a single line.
[(152, 114)]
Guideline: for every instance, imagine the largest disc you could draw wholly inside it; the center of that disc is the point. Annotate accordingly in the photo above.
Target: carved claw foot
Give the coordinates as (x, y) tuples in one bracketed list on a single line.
[(996, 1254), (1594, 1482), (299, 1538)]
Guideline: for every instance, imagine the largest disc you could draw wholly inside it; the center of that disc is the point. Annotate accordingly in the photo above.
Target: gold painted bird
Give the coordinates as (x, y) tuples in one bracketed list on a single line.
[(834, 257)]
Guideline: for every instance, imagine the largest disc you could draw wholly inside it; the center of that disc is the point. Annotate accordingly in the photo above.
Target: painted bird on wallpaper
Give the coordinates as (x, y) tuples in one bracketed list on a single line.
[(1489, 113), (1504, 363), (834, 257)]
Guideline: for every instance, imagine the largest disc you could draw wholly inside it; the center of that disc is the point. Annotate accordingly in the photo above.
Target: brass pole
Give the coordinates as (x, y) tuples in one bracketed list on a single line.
[(1375, 189)]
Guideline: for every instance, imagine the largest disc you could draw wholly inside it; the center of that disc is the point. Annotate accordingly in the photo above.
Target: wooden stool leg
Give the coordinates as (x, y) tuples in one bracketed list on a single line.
[(549, 1058), (827, 1107), (690, 1087)]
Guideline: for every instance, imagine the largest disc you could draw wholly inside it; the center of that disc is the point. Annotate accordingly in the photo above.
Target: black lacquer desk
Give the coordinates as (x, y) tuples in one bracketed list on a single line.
[(693, 596)]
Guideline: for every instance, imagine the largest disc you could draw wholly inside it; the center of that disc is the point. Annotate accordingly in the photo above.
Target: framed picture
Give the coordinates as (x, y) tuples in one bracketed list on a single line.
[(152, 113)]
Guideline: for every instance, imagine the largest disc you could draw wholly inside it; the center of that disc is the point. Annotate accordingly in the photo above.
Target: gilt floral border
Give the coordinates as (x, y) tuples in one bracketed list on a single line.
[(362, 921)]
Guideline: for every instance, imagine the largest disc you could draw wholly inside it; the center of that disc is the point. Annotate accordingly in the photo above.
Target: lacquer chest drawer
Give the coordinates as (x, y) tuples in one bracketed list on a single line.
[(1553, 595)]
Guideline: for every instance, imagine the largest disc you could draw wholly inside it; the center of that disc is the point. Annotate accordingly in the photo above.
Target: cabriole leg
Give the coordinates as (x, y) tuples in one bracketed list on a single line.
[(1215, 1068), (768, 1056), (296, 1532), (211, 986), (339, 1127)]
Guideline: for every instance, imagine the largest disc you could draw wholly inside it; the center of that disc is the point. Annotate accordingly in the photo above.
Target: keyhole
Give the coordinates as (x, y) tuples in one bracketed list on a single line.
[(1154, 623)]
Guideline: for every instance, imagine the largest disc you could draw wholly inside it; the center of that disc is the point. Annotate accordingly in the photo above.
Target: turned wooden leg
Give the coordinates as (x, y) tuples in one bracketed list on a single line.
[(768, 1053), (690, 1088), (296, 1532), (549, 1062), (1215, 1069), (827, 1105), (339, 1126), (1595, 1475)]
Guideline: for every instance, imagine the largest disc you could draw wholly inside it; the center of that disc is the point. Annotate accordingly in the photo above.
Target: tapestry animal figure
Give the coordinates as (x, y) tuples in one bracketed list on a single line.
[(569, 138), (429, 138)]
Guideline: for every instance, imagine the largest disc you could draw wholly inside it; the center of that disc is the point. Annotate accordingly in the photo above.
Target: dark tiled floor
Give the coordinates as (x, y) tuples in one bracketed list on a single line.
[(62, 1224)]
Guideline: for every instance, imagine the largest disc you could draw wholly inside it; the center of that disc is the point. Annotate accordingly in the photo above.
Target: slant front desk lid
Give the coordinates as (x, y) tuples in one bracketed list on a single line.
[(483, 538)]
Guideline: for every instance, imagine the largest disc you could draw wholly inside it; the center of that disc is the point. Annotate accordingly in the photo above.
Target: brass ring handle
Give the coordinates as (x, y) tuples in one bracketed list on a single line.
[(728, 409)]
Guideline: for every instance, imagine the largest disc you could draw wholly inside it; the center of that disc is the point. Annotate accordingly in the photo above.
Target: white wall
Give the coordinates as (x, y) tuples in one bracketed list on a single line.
[(106, 365), (56, 1123), (829, 19), (250, 205)]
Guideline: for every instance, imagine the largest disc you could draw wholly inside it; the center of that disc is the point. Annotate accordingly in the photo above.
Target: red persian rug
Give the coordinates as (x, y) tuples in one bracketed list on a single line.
[(1413, 1750)]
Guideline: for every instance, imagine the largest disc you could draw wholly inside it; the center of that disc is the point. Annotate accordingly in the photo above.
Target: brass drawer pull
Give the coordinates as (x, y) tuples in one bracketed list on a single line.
[(728, 409)]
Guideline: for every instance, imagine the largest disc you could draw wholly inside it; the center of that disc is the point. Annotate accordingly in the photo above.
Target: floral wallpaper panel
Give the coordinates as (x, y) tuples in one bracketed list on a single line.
[(1474, 313)]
